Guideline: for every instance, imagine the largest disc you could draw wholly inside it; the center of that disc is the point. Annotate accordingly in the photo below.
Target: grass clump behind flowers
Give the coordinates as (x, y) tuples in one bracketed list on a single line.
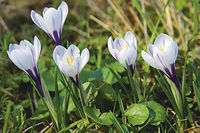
[(78, 79)]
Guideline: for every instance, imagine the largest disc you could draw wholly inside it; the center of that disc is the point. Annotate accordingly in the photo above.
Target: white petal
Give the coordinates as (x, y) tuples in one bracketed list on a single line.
[(59, 51), (84, 58), (44, 10), (127, 55), (133, 56), (111, 47), (171, 52), (158, 55), (149, 59), (25, 44), (63, 6), (169, 47), (22, 59), (14, 60), (160, 60), (63, 67), (14, 46), (73, 51), (119, 43), (69, 71), (77, 66), (37, 47), (131, 39), (39, 21), (53, 20), (163, 39), (29, 49)]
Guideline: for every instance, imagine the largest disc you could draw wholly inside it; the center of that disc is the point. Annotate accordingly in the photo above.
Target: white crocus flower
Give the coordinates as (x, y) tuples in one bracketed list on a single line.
[(70, 61), (52, 21), (124, 50), (162, 55), (25, 56)]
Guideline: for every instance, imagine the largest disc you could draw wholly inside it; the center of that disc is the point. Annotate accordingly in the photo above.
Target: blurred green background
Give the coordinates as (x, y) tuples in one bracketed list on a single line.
[(89, 24)]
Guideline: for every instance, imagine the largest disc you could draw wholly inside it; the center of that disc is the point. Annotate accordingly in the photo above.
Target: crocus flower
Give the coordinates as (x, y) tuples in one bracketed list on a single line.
[(162, 55), (70, 61), (52, 21), (25, 56), (124, 50)]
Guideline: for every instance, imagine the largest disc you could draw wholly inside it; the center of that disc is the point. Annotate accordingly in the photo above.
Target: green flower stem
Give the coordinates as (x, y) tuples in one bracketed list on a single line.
[(65, 106), (121, 82), (46, 102), (69, 89), (177, 97), (58, 107), (81, 97), (134, 91), (49, 102), (167, 90), (81, 93)]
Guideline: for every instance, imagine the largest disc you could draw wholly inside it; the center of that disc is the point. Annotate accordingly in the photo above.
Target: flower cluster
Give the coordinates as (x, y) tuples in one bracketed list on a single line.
[(25, 55), (162, 55), (70, 61)]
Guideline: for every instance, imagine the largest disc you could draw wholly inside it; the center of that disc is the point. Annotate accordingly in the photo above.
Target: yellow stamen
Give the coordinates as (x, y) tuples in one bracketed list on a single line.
[(120, 48), (126, 46), (161, 48), (72, 59), (68, 62)]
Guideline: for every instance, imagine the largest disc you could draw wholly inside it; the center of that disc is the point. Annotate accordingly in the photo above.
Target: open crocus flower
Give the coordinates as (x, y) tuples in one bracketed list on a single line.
[(162, 55), (124, 50), (52, 21), (25, 56), (69, 61)]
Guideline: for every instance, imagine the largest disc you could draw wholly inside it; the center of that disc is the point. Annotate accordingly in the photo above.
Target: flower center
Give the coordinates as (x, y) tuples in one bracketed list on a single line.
[(162, 48), (122, 48), (71, 58)]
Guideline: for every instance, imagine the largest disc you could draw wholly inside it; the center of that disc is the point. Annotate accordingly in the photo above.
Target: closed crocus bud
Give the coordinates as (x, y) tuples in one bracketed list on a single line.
[(124, 50), (162, 55), (70, 61), (52, 21), (25, 56)]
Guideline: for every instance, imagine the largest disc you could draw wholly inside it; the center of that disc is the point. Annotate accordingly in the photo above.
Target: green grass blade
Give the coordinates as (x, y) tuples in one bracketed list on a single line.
[(5, 126), (65, 106), (189, 115), (75, 100), (121, 82), (116, 123), (157, 23), (167, 90), (121, 106), (136, 3), (71, 126), (195, 16), (58, 107), (183, 83), (53, 117), (196, 91)]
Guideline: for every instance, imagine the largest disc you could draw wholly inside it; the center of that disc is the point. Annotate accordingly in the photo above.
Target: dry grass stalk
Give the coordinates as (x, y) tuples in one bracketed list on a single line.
[(120, 14), (144, 23)]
